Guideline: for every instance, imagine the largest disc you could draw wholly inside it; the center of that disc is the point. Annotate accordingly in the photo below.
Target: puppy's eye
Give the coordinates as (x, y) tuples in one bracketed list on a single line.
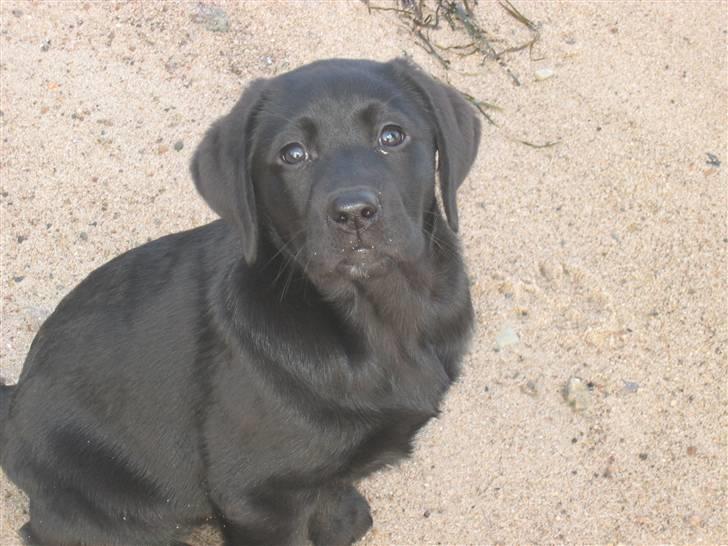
[(293, 153), (391, 136)]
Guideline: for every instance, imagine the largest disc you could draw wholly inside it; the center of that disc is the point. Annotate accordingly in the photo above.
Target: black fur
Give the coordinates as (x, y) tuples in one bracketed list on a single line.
[(253, 369)]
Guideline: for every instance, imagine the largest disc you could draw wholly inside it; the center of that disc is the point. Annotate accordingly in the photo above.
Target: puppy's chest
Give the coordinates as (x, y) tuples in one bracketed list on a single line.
[(347, 403), (407, 396)]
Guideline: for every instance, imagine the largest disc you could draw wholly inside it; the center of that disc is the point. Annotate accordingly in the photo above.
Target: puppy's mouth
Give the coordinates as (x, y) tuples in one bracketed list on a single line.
[(362, 263)]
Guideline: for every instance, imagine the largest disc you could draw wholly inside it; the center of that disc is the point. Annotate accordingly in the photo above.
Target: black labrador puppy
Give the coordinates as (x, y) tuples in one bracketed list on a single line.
[(253, 369)]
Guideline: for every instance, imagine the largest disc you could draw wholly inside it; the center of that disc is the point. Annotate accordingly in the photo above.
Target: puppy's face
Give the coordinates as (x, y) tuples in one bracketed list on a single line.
[(334, 163), (343, 168)]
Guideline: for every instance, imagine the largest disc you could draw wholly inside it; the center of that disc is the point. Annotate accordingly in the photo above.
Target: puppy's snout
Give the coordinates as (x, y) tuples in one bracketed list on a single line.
[(356, 209)]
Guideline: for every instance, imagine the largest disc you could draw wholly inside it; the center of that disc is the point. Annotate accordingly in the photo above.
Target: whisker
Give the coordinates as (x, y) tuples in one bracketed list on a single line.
[(284, 247), (292, 272), (289, 258)]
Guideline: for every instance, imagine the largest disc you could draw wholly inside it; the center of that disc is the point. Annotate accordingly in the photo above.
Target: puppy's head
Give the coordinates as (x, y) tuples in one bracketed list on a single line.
[(334, 164)]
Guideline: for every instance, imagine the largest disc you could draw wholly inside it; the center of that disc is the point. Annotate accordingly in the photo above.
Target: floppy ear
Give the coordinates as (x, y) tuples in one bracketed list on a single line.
[(221, 168), (457, 132)]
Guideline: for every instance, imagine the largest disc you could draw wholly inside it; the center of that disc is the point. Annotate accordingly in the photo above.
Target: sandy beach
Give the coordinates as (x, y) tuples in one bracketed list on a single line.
[(592, 407)]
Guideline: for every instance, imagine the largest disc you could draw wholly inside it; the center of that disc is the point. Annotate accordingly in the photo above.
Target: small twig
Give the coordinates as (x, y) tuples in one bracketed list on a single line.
[(507, 70), (448, 48), (402, 12), (537, 146), (481, 106), (473, 30), (518, 16), (425, 44), (521, 47), (530, 25)]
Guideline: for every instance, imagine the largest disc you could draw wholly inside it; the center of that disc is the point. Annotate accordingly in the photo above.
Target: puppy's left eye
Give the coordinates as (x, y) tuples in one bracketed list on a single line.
[(391, 136), (293, 153)]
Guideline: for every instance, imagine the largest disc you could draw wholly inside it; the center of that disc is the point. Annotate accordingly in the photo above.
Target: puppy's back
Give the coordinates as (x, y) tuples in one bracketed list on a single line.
[(87, 405)]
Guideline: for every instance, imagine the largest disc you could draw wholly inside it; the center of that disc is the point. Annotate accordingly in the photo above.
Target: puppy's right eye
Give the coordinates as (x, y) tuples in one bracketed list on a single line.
[(391, 136), (293, 153)]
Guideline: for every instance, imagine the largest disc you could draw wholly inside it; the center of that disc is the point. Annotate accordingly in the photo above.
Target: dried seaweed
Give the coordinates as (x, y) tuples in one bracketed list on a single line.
[(423, 18)]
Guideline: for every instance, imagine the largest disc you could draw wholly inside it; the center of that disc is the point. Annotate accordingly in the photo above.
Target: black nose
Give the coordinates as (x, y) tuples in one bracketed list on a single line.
[(355, 209)]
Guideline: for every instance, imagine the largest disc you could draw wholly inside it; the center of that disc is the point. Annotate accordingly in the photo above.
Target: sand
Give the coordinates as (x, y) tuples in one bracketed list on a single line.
[(600, 259)]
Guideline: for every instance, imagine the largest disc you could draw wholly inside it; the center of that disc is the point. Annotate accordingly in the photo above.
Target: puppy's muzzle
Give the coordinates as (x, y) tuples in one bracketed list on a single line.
[(354, 210)]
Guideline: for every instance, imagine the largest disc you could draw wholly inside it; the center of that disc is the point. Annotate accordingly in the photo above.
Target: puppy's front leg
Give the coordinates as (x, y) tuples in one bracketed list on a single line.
[(342, 516), (269, 519), (29, 539)]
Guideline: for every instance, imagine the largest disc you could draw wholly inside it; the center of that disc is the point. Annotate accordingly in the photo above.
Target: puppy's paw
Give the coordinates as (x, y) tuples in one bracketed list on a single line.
[(341, 520), (26, 535)]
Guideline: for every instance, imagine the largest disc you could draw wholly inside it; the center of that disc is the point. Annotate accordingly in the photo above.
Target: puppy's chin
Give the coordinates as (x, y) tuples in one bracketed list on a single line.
[(358, 265), (362, 265)]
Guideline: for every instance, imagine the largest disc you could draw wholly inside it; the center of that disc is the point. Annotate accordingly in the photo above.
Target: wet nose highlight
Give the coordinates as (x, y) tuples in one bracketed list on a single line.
[(355, 209)]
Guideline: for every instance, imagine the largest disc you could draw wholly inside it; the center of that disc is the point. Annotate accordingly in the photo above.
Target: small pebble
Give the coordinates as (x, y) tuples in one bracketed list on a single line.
[(577, 394), (19, 278), (543, 74), (692, 451), (507, 337), (529, 388), (83, 236), (214, 18), (630, 387), (713, 160), (179, 145), (643, 456), (46, 45), (551, 270), (36, 315)]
